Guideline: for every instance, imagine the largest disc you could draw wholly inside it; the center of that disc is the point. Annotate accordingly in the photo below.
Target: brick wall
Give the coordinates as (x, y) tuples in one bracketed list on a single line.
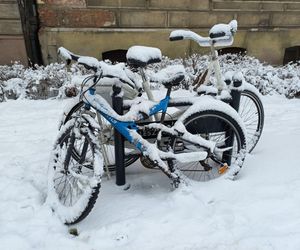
[(167, 13), (161, 16)]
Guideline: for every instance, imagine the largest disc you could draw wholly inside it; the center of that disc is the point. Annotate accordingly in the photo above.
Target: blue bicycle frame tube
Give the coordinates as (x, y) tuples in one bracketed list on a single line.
[(124, 127), (161, 106)]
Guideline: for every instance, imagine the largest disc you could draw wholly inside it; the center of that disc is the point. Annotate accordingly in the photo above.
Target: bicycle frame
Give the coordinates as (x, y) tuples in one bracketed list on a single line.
[(214, 66), (128, 128), (124, 127)]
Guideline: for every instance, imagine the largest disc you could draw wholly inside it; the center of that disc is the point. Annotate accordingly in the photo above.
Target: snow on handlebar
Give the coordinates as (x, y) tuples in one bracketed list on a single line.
[(219, 35), (87, 61), (64, 54), (188, 34), (117, 71), (221, 29)]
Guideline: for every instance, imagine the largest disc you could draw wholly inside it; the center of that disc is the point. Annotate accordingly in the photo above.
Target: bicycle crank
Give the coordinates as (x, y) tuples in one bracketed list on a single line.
[(147, 162)]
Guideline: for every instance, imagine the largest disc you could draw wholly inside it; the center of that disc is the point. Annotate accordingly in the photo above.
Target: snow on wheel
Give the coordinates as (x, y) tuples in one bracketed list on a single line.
[(251, 111), (215, 121), (108, 146), (74, 178), (220, 128)]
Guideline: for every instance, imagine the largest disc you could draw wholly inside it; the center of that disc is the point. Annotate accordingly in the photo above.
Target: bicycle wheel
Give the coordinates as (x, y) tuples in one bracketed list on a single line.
[(215, 126), (74, 180), (108, 147), (2, 94), (252, 113)]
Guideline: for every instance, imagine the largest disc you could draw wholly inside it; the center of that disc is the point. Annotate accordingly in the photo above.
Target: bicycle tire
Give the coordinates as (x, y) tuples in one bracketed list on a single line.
[(201, 123), (251, 111), (129, 159), (73, 186)]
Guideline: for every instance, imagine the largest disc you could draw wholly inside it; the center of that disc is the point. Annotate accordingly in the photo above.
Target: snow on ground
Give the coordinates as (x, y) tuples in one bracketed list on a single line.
[(260, 210)]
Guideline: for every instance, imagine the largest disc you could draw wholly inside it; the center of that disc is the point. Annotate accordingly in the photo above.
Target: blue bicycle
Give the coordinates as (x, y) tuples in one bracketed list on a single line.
[(208, 137)]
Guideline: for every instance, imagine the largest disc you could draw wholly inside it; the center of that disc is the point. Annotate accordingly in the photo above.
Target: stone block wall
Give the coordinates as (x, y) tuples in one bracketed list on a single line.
[(12, 46), (90, 27)]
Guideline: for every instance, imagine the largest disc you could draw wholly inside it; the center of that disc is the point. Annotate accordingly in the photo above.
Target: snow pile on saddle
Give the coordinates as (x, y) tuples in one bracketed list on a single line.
[(143, 54), (167, 74)]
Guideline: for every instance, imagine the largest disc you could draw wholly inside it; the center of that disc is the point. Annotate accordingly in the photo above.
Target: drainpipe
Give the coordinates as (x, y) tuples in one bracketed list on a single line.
[(30, 26)]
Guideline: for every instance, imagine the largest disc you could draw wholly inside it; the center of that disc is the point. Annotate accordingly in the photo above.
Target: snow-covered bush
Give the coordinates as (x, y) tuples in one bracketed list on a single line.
[(39, 83), (54, 80), (284, 80)]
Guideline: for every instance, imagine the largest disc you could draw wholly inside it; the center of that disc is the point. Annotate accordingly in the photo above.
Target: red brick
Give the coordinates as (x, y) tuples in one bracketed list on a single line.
[(81, 18), (66, 3), (48, 17)]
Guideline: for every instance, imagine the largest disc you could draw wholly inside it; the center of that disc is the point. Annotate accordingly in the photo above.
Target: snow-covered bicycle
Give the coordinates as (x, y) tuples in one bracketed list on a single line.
[(250, 108), (209, 134), (250, 105)]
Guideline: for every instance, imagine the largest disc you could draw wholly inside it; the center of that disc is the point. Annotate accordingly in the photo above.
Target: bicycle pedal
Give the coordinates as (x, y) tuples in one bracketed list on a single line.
[(223, 168)]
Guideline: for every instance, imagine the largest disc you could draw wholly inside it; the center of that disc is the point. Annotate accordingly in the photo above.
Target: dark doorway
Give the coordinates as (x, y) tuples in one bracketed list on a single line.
[(232, 50), (291, 54), (115, 56)]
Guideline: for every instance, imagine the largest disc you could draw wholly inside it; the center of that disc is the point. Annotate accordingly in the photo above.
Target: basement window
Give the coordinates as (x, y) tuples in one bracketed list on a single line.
[(232, 50), (115, 56), (291, 54)]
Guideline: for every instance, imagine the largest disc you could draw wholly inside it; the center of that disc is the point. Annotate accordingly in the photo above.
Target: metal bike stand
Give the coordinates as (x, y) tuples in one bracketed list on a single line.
[(117, 104), (236, 95), (235, 103)]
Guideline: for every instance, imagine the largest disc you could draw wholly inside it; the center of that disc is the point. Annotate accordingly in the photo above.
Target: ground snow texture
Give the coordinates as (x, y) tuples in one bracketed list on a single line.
[(260, 210)]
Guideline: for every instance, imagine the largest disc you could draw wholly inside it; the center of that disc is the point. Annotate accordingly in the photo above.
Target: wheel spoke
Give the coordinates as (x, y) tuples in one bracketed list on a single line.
[(72, 180), (203, 125), (251, 111)]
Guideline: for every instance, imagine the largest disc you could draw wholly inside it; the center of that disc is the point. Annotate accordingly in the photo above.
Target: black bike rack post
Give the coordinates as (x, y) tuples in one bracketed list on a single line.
[(236, 94), (117, 104), (235, 103)]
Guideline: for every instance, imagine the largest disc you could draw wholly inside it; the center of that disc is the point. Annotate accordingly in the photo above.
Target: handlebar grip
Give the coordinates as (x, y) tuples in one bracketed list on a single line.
[(66, 55), (213, 35), (175, 38), (74, 57), (88, 67)]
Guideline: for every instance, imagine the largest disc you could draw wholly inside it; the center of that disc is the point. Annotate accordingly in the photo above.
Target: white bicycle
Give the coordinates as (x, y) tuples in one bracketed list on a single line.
[(250, 108)]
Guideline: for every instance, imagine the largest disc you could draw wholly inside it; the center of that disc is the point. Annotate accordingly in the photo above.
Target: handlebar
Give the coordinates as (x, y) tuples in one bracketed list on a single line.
[(219, 35), (188, 34), (102, 69), (90, 63)]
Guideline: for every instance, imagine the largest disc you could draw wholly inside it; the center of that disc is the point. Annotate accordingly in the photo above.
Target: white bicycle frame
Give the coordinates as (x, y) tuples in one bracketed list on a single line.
[(214, 66)]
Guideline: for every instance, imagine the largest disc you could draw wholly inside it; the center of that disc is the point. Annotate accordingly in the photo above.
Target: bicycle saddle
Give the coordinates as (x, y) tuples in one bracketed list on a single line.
[(170, 76), (141, 56)]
